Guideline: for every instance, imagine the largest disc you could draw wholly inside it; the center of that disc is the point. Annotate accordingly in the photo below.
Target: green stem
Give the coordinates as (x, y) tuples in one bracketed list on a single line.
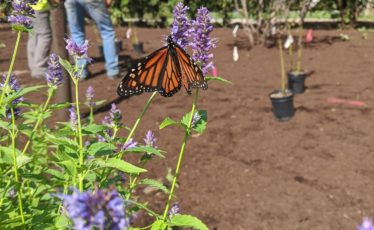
[(10, 67), (91, 115), (186, 135), (300, 49), (19, 190), (282, 65), (38, 122), (140, 117), (80, 138)]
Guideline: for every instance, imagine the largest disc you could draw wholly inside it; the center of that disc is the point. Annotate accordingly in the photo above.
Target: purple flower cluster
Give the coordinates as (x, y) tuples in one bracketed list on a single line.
[(22, 12), (150, 139), (73, 118), (90, 93), (54, 74), (11, 88), (129, 144), (201, 42), (103, 209), (367, 224), (174, 210), (77, 51), (181, 25), (112, 120)]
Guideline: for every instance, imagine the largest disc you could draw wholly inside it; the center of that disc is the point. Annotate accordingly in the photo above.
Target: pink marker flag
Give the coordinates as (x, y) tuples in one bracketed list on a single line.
[(309, 36), (214, 71)]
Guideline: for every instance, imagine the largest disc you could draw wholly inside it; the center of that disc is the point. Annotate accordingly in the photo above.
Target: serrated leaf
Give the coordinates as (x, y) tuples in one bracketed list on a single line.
[(159, 225), (56, 174), (6, 154), (5, 125), (187, 221), (167, 122), (118, 164), (218, 79), (22, 92), (62, 222), (101, 148), (59, 106), (70, 166), (62, 141), (145, 149), (93, 129), (155, 184)]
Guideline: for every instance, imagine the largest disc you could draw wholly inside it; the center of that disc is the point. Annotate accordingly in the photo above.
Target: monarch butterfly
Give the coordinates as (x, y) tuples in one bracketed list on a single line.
[(165, 70)]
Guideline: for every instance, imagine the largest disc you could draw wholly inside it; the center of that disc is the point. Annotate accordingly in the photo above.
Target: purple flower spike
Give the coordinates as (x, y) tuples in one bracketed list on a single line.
[(130, 144), (73, 118), (10, 89), (77, 51), (103, 209), (115, 115), (367, 224), (20, 20), (201, 42), (181, 25), (21, 14), (90, 93), (196, 118), (174, 210), (54, 74), (150, 139)]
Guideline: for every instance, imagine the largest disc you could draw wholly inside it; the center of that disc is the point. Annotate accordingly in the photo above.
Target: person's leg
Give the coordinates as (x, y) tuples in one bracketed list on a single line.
[(99, 13), (30, 51), (75, 14), (43, 33)]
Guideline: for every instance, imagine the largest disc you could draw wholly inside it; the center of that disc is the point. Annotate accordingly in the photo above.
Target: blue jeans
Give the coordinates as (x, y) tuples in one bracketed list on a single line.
[(75, 10)]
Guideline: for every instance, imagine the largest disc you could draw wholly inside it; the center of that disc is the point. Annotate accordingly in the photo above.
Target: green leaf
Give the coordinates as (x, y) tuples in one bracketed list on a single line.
[(70, 166), (93, 129), (62, 141), (187, 221), (167, 122), (159, 225), (6, 155), (101, 148), (218, 79), (59, 106), (155, 184), (98, 103), (22, 92), (56, 174), (118, 164), (199, 125), (145, 149), (23, 160), (66, 64), (5, 125), (62, 222)]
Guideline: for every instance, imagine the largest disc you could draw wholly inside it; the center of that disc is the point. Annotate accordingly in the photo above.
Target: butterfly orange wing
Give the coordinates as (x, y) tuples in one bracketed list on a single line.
[(191, 74), (157, 72)]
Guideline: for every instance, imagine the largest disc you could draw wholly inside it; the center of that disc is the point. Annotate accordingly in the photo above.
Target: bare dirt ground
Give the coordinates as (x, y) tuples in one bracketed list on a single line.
[(249, 171)]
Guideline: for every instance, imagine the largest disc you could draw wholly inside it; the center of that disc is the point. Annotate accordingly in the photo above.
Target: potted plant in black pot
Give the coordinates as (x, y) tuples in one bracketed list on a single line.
[(296, 76), (282, 99), (138, 46)]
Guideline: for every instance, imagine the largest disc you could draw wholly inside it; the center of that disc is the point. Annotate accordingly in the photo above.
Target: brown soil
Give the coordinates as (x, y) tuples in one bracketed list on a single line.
[(249, 171)]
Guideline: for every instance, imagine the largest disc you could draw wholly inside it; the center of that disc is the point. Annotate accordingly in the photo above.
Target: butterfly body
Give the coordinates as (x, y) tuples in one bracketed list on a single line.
[(165, 71)]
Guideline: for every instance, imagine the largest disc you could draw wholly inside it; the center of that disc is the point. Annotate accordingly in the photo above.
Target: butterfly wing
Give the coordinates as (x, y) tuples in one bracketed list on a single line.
[(157, 72), (191, 74)]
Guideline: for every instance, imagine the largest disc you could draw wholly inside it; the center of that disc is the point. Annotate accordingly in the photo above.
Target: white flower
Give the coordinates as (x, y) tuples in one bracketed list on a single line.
[(235, 30), (235, 54), (128, 33), (288, 42)]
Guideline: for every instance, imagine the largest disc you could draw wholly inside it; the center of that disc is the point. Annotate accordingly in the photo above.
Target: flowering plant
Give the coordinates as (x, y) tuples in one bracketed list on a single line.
[(76, 174)]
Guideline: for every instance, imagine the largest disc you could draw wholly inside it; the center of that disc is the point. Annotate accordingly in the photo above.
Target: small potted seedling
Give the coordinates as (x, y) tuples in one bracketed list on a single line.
[(138, 46), (296, 76), (282, 100)]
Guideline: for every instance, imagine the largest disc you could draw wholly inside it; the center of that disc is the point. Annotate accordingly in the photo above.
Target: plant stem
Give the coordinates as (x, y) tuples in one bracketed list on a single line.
[(38, 122), (140, 118), (282, 66), (80, 138), (186, 135), (300, 49), (19, 190), (10, 67)]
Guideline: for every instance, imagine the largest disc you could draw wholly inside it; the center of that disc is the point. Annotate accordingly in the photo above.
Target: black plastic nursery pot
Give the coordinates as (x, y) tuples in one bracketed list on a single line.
[(296, 81), (283, 108), (138, 47)]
